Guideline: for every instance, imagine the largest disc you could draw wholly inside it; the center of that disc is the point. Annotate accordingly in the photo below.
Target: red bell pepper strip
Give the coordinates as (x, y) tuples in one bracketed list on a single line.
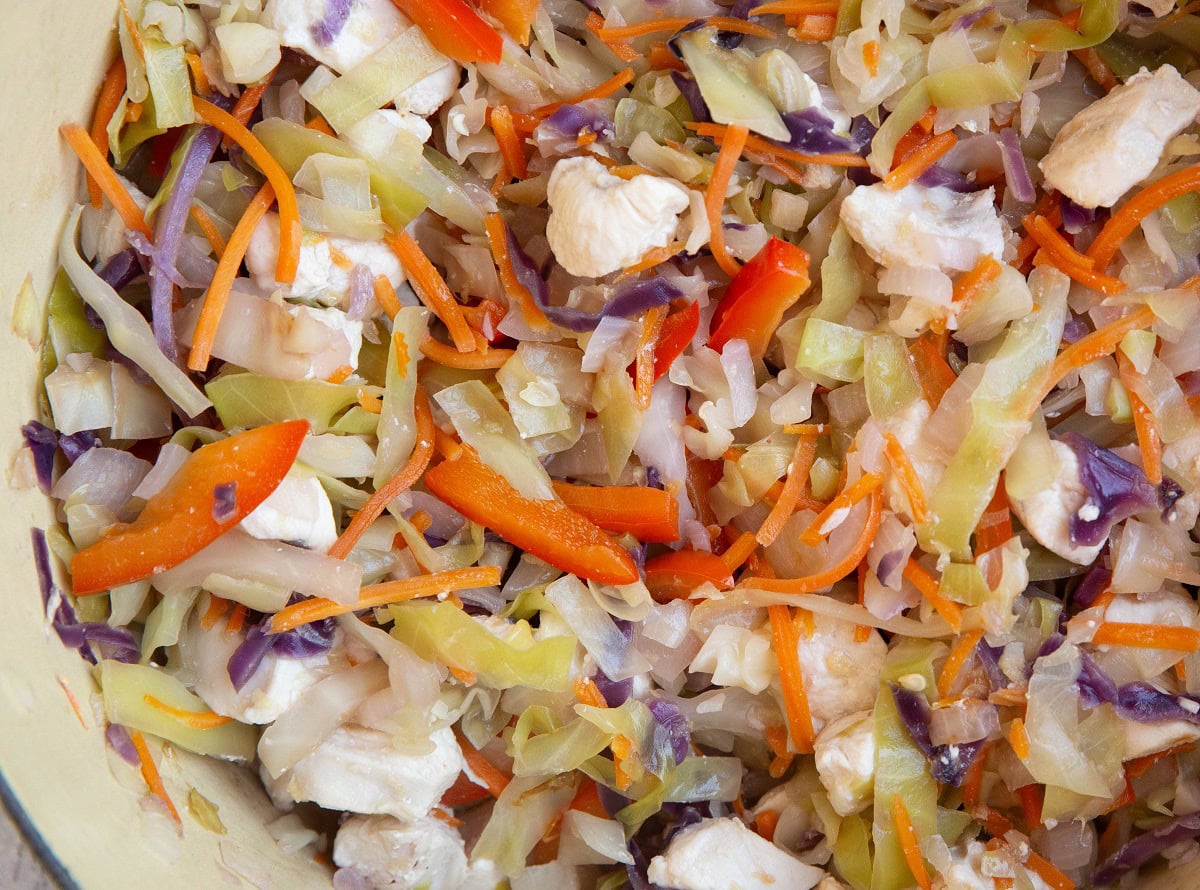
[(515, 15), (182, 519), (550, 530), (454, 29), (649, 514), (759, 294), (677, 332), (675, 575)]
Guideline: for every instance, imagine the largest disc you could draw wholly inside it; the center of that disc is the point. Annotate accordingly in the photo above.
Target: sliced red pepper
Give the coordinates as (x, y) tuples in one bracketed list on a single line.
[(676, 574), (463, 792), (179, 521), (677, 332), (515, 15), (649, 514), (550, 530), (161, 150), (759, 294), (454, 29)]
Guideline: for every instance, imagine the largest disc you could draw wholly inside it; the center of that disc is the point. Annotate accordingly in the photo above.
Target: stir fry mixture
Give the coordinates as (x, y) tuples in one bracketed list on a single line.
[(643, 442)]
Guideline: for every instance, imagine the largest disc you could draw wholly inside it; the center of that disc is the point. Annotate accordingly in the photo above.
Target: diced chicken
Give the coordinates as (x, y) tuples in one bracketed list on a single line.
[(841, 675), (361, 771), (277, 684), (920, 226), (298, 511), (326, 264), (426, 854), (1046, 512), (723, 854), (845, 757), (737, 656), (102, 232), (965, 871), (1115, 142), (304, 25), (600, 223), (431, 92), (375, 133)]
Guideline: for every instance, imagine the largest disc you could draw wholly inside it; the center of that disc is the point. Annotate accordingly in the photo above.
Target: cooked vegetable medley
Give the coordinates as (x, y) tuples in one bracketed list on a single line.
[(643, 442)]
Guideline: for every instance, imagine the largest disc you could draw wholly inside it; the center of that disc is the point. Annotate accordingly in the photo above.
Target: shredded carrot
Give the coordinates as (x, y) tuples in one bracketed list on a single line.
[(1019, 738), (909, 843), (509, 142), (384, 594), (472, 361), (924, 582), (906, 475), (431, 288), (1048, 873), (483, 769), (797, 7), (1031, 805), (589, 693), (1147, 636), (221, 285), (995, 525), (675, 23), (340, 374), (719, 133), (191, 719), (622, 49), (497, 234), (652, 322), (933, 371), (150, 773), (1067, 259), (963, 649), (133, 112), (603, 91), (786, 642), (199, 77), (442, 816), (782, 759), (973, 781), (243, 108), (105, 178), (135, 34), (71, 700), (405, 479), (622, 749), (385, 294), (466, 678), (714, 196), (319, 124), (793, 487), (1100, 342), (661, 58), (765, 824), (1149, 438), (816, 530), (739, 551), (106, 106), (290, 230), (815, 28), (1142, 765), (1181, 670), (922, 158), (870, 56), (862, 633), (1130, 215), (370, 404), (835, 573), (237, 618), (209, 228), (217, 607), (969, 285), (653, 257)]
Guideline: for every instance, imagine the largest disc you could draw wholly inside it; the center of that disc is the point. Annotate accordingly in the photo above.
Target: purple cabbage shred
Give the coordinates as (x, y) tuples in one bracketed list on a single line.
[(937, 176), (575, 120), (330, 25), (948, 764), (1094, 583), (812, 133), (121, 269), (691, 94), (671, 730), (224, 501), (118, 641), (615, 692), (74, 445), (119, 740), (43, 443), (1116, 487), (1074, 330), (1137, 852), (304, 641), (1076, 218), (741, 9), (965, 22)]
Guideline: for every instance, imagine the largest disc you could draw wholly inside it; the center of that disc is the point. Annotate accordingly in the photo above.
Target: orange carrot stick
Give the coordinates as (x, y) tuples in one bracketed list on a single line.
[(406, 478), (1147, 636), (909, 843), (1048, 873), (922, 158), (495, 780), (925, 583), (1130, 215), (106, 106), (290, 230), (675, 23), (209, 228), (933, 371), (739, 551), (786, 641), (1018, 738), (962, 650), (649, 514), (431, 288), (603, 91), (509, 142), (970, 284), (652, 322), (714, 196), (846, 499), (471, 361), (222, 283), (516, 292), (150, 773), (793, 488), (106, 178), (907, 476), (192, 719), (1149, 438)]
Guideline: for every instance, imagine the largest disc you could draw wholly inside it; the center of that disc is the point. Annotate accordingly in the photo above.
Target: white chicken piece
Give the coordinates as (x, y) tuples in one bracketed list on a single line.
[(1115, 142), (277, 684), (845, 757), (426, 854), (1046, 512), (431, 92), (297, 511), (965, 871), (326, 264), (361, 771), (920, 226), (737, 656), (723, 854), (841, 676), (306, 26), (600, 223)]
